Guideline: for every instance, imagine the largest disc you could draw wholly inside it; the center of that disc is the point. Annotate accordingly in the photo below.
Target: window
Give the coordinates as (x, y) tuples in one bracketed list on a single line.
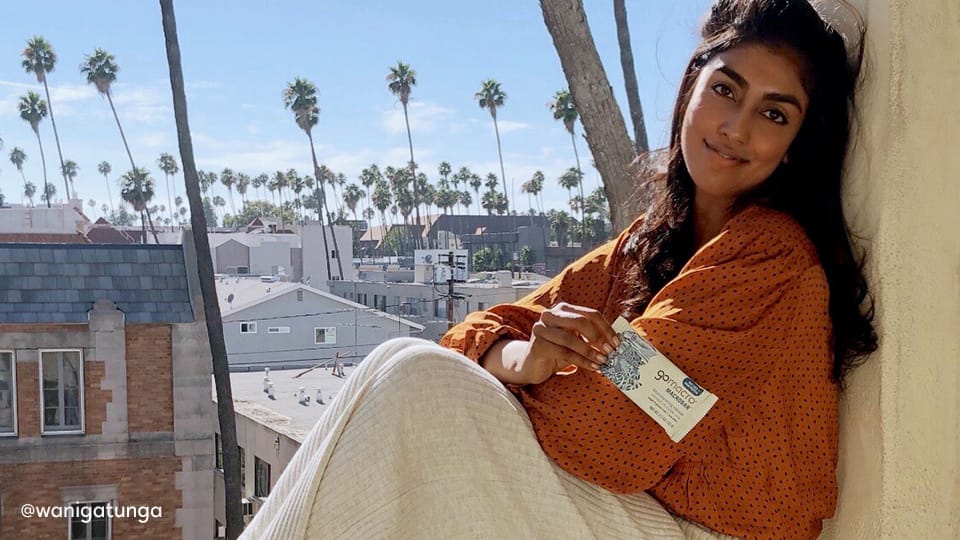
[(278, 330), (61, 382), (333, 254), (8, 394), (299, 295), (362, 298), (243, 269), (261, 480), (89, 521), (440, 307), (481, 306), (218, 443), (325, 335), (248, 328)]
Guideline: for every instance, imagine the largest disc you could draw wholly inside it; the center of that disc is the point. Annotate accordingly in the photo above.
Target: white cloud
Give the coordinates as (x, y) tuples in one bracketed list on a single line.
[(152, 140), (142, 104), (424, 118), (506, 126)]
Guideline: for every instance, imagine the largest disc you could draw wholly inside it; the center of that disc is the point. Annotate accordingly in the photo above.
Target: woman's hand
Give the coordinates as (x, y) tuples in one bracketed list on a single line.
[(565, 335)]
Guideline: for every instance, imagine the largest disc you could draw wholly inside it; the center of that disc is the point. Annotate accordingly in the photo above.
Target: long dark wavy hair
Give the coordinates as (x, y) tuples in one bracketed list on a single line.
[(808, 187)]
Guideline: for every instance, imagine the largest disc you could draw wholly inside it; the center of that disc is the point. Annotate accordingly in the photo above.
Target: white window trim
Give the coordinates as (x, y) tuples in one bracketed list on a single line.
[(13, 394), (82, 383), (111, 502), (248, 323), (315, 342), (278, 330)]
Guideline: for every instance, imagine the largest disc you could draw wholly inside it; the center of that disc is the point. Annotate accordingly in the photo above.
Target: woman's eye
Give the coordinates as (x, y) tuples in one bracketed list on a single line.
[(722, 90), (776, 116)]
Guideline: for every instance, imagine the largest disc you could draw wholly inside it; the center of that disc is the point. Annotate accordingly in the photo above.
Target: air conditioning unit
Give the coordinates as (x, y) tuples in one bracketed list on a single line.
[(247, 506), (221, 531), (269, 279)]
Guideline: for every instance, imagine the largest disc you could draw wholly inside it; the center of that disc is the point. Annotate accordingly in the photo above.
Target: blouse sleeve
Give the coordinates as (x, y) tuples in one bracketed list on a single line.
[(587, 282)]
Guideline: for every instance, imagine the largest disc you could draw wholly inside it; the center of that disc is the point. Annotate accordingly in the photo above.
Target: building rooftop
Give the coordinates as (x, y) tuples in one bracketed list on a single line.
[(59, 283), (284, 413)]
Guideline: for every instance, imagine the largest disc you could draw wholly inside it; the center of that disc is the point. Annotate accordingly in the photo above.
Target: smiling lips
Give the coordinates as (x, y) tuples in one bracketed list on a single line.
[(732, 159)]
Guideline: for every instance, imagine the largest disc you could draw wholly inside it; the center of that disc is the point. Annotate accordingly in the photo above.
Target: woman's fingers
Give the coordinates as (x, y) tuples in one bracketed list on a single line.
[(565, 348), (586, 322)]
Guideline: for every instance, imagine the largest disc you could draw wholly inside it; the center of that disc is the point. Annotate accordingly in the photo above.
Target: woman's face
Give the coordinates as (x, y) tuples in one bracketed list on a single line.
[(746, 108)]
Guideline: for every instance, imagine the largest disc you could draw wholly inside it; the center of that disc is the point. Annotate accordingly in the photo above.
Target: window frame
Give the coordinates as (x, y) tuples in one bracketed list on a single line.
[(81, 406), (70, 519), (258, 465), (328, 330), (13, 394)]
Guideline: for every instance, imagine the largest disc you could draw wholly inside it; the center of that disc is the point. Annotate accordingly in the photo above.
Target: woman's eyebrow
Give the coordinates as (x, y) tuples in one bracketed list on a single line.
[(769, 96)]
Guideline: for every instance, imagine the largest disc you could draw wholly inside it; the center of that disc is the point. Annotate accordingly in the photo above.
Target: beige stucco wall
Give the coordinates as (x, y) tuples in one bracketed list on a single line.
[(900, 435)]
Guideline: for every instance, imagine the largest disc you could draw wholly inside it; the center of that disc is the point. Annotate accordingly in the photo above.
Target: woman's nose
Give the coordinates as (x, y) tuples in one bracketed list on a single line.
[(736, 127)]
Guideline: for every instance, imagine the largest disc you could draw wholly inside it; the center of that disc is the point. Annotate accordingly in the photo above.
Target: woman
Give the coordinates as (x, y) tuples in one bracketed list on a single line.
[(741, 273)]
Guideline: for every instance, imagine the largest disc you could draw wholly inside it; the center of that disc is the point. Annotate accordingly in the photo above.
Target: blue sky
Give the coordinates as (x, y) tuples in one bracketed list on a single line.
[(239, 55)]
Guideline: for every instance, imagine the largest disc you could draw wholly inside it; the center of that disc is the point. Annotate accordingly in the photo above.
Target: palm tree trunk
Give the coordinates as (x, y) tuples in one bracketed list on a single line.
[(143, 229), (579, 171), (24, 187), (413, 171), (503, 175), (56, 136), (122, 136), (320, 201), (152, 228), (211, 307), (606, 131), (106, 180), (43, 161), (630, 76), (169, 200)]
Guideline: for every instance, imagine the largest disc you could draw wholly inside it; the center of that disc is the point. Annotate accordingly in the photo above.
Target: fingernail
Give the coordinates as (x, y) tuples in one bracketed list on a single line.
[(607, 348), (601, 359), (616, 341), (595, 367)]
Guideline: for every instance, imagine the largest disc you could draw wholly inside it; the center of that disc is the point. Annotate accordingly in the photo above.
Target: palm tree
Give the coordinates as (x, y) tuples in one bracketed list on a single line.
[(300, 96), (382, 200), (39, 58), (536, 187), (29, 190), (169, 166), (352, 195), (33, 109), (211, 306), (49, 190), (475, 182), (243, 182), (566, 110), (570, 179), (17, 157), (104, 168), (629, 76), (402, 79), (219, 203), (228, 179), (101, 71), (492, 97), (259, 181), (136, 188), (69, 170), (369, 178)]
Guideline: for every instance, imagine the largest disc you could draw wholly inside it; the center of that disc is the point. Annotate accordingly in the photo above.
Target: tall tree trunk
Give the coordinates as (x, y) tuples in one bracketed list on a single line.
[(122, 136), (576, 156), (169, 200), (321, 202), (630, 77), (413, 171), (106, 180), (211, 307), (503, 175), (43, 162), (150, 221), (24, 187), (56, 136), (143, 228), (602, 121)]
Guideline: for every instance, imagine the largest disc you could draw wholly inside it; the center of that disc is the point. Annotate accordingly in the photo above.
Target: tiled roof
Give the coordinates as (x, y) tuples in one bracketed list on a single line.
[(58, 283)]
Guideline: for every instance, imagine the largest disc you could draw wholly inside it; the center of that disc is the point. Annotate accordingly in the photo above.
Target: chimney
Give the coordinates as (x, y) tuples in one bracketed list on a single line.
[(266, 379), (301, 396), (319, 397), (270, 390)]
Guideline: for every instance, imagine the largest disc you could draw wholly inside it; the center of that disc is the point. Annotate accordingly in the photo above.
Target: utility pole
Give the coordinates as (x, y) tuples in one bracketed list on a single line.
[(453, 262)]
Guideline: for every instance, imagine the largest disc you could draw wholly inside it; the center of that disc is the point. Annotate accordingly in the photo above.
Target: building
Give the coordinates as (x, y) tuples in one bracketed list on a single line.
[(104, 391), (293, 255), (272, 323), (427, 303), (272, 422)]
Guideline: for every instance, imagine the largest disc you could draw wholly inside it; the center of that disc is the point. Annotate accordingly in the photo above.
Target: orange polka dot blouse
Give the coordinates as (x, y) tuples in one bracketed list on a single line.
[(747, 318)]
